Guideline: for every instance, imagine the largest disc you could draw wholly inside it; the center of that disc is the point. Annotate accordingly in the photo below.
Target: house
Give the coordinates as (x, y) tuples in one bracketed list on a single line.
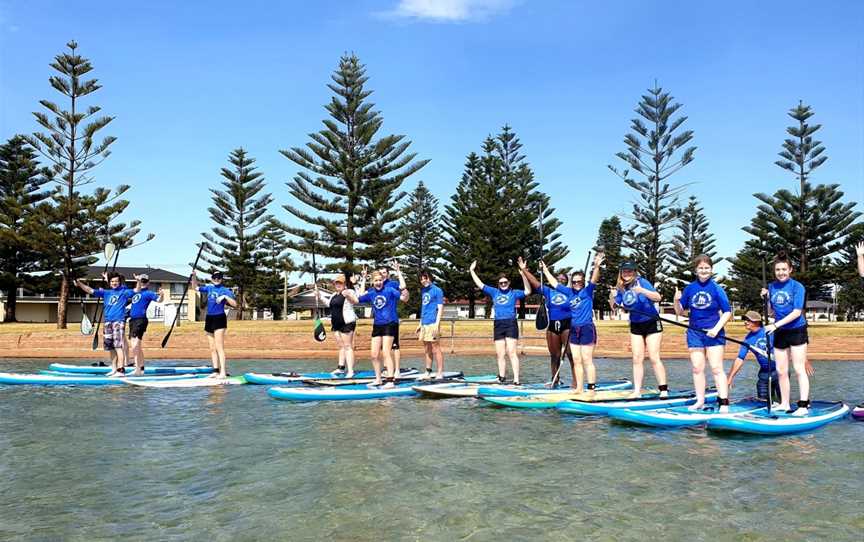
[(42, 308), (821, 311)]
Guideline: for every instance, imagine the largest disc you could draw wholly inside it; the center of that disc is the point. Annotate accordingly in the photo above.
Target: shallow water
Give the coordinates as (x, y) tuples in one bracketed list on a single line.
[(232, 464)]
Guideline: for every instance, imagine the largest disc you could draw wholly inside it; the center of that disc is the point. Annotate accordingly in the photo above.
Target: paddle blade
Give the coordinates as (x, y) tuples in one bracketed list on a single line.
[(109, 250), (319, 333), (86, 325), (95, 345), (542, 321)]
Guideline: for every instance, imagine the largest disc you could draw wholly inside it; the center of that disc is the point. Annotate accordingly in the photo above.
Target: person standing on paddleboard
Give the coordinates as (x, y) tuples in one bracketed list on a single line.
[(859, 251), (216, 321), (114, 302), (343, 321), (637, 296), (583, 332), (762, 345), (786, 298), (558, 331), (141, 299), (709, 310), (393, 283), (429, 329), (385, 323), (506, 329)]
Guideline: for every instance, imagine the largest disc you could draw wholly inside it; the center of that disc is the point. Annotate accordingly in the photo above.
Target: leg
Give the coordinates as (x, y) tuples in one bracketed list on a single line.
[(514, 357), (781, 359), (553, 343), (375, 351), (579, 369), (653, 343), (715, 361), (397, 355), (119, 332), (587, 355), (137, 357), (439, 359), (427, 353), (799, 361), (637, 345), (387, 350), (348, 345), (500, 353), (214, 356), (219, 336), (340, 341), (697, 360), (568, 353)]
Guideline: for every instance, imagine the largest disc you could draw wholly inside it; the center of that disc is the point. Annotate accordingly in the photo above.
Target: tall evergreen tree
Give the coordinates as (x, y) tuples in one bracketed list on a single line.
[(78, 224), (350, 178), (240, 214), (22, 188), (850, 296), (421, 230), (274, 266), (745, 275), (653, 154), (610, 236), (693, 238), (811, 222)]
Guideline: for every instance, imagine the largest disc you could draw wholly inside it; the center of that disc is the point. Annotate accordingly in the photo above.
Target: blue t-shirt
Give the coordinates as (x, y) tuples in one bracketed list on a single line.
[(638, 302), (393, 283), (114, 302), (504, 301), (557, 301), (215, 308), (431, 297), (581, 304), (140, 302), (786, 297), (763, 342), (705, 301), (383, 304)]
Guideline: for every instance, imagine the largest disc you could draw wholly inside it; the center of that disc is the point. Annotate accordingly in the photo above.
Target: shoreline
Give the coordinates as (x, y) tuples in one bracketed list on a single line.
[(291, 340)]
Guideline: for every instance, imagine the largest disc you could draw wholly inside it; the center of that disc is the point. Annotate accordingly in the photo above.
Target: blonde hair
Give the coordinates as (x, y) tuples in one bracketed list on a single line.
[(377, 274), (620, 284)]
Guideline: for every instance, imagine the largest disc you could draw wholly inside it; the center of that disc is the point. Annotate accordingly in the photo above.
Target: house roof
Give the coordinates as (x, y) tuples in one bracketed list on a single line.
[(94, 272)]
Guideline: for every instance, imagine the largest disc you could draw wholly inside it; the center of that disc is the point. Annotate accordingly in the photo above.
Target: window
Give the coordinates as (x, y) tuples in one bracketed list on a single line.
[(177, 288)]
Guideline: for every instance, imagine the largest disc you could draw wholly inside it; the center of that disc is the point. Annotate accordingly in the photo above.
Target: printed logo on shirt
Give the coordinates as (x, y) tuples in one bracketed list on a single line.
[(700, 300), (212, 295), (379, 302), (136, 298), (558, 299), (781, 299), (502, 299), (113, 299), (762, 345), (629, 298), (575, 301), (427, 297)]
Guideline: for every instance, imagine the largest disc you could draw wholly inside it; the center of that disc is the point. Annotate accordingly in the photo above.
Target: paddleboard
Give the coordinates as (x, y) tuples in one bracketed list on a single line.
[(290, 377), (187, 383), (341, 393), (858, 412), (542, 389), (447, 390), (550, 400), (150, 369), (681, 416), (760, 422), (84, 380), (405, 377), (646, 402)]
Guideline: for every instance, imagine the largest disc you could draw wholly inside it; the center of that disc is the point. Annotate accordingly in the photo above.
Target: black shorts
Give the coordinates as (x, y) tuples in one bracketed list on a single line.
[(345, 328), (396, 337), (784, 338), (386, 330), (137, 327), (215, 321), (644, 329), (505, 329), (559, 326)]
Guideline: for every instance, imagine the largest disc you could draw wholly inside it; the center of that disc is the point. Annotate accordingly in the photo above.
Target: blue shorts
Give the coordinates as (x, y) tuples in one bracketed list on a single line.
[(696, 339), (583, 335)]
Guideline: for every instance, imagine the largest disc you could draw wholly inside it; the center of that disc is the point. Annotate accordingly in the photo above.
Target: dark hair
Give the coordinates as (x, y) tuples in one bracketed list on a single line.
[(702, 258), (384, 268), (115, 275), (121, 277), (577, 274), (782, 257), (426, 273), (502, 276)]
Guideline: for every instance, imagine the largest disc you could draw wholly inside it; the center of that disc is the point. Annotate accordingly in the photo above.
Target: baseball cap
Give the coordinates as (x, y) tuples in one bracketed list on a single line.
[(339, 278), (217, 275), (753, 316), (628, 266), (144, 277)]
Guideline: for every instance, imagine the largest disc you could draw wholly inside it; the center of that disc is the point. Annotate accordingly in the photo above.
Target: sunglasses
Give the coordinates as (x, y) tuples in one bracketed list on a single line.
[(503, 282)]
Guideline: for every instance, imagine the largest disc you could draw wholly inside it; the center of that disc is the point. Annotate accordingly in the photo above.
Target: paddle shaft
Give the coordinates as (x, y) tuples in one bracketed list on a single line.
[(183, 297), (95, 344), (767, 339), (564, 348), (686, 326), (545, 308)]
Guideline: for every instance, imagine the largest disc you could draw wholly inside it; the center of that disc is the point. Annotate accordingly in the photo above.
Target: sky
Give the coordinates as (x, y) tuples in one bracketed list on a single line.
[(188, 82)]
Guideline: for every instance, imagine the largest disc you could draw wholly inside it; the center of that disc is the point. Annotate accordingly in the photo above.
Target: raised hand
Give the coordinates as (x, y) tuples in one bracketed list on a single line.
[(859, 249), (521, 263), (473, 265), (599, 258), (763, 292)]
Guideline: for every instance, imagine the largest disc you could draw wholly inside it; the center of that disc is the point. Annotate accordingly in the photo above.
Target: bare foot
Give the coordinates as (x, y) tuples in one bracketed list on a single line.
[(635, 395)]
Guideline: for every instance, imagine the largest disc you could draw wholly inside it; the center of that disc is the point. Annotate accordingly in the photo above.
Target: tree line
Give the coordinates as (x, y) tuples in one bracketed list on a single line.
[(349, 206)]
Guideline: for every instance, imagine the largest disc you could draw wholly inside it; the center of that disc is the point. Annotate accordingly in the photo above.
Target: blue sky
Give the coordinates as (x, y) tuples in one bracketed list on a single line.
[(189, 82)]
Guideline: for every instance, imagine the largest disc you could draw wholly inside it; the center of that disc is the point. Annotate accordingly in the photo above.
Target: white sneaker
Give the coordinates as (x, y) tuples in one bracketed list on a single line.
[(425, 376), (800, 411), (337, 372), (664, 394), (349, 374), (388, 385), (724, 409)]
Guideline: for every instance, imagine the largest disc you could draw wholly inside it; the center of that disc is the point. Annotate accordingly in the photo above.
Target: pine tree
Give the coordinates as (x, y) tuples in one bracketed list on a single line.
[(22, 188), (77, 225), (745, 275), (850, 296), (350, 180), (610, 237), (421, 229), (240, 214), (693, 238), (274, 266), (653, 153), (812, 222)]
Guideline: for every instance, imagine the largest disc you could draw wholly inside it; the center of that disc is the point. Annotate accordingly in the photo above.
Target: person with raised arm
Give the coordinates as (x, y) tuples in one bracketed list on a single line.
[(114, 300), (637, 296), (505, 329), (385, 324), (138, 322), (429, 329), (216, 321), (343, 321), (859, 251), (392, 282), (709, 310)]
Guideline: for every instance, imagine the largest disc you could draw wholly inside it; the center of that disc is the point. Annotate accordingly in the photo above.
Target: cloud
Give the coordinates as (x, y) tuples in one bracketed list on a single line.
[(450, 11)]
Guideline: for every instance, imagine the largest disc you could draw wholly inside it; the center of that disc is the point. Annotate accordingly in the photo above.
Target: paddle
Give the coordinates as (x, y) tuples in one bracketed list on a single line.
[(542, 320), (587, 279), (318, 330), (685, 326), (110, 250), (183, 297), (767, 339)]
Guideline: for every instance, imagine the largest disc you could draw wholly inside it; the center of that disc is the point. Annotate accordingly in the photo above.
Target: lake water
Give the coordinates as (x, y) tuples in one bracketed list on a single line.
[(109, 463)]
